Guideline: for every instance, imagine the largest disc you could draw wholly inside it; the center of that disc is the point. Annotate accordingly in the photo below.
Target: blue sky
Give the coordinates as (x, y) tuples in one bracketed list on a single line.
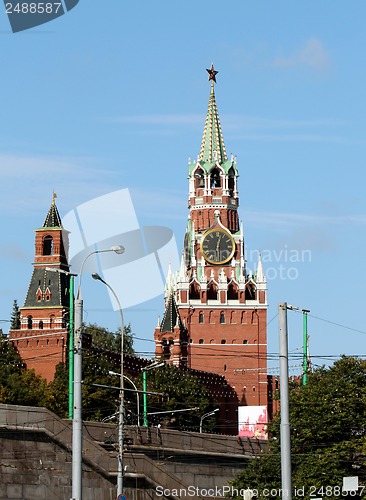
[(114, 94)]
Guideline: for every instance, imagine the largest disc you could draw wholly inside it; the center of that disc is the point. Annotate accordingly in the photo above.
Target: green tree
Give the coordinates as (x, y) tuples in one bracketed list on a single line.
[(58, 392), (102, 356), (15, 316), (110, 341), (17, 384), (328, 434), (181, 390)]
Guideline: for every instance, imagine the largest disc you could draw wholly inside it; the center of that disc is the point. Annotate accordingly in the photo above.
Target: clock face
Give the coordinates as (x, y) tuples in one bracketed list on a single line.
[(217, 246)]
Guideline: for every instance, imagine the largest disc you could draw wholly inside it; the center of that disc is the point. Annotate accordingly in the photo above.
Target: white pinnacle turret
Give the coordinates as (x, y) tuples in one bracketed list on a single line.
[(260, 273)]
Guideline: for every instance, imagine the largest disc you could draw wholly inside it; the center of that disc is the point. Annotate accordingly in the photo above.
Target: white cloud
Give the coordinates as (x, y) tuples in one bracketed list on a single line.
[(312, 55), (295, 219), (271, 129), (29, 179)]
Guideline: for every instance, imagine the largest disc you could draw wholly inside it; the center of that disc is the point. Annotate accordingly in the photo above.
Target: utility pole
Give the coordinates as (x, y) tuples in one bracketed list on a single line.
[(144, 398), (284, 402), (71, 345), (156, 364), (71, 348), (77, 423), (305, 346), (304, 341)]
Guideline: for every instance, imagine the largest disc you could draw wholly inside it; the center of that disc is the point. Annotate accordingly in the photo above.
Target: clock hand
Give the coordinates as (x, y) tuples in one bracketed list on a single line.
[(218, 244)]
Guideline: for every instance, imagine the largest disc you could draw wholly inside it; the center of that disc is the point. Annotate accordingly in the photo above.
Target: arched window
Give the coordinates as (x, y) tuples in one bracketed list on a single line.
[(250, 292), (215, 179), (199, 181), (30, 322), (48, 245), (200, 317), (201, 341), (231, 181), (52, 320), (40, 325), (223, 341), (212, 291), (232, 317), (222, 317), (254, 318), (194, 290), (245, 341), (232, 292)]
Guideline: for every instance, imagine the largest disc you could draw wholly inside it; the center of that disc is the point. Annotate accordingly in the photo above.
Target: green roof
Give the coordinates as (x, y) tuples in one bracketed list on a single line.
[(212, 150), (212, 145), (171, 317)]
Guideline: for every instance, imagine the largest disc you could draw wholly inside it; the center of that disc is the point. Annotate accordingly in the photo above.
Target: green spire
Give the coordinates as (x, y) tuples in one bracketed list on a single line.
[(212, 145), (53, 218), (171, 317)]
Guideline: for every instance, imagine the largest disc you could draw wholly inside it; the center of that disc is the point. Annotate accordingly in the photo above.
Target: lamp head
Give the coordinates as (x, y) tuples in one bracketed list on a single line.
[(119, 249), (96, 276)]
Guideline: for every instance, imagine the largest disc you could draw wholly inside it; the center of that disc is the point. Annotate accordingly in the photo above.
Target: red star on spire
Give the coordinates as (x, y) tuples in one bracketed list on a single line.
[(212, 73)]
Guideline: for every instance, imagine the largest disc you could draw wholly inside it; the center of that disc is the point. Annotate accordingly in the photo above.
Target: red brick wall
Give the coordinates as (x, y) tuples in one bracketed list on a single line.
[(41, 350), (241, 359)]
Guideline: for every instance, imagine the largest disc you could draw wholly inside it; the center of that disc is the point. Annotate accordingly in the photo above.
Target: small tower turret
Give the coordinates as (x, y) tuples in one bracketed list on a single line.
[(44, 316)]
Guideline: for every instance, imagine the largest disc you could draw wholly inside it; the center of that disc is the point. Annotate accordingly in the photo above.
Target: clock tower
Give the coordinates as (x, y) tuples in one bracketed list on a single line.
[(218, 307)]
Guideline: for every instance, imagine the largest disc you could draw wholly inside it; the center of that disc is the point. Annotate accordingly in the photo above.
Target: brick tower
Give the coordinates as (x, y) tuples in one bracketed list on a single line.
[(215, 311), (42, 337)]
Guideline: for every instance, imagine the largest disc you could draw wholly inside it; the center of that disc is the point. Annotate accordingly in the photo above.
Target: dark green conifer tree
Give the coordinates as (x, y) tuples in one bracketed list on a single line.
[(15, 316)]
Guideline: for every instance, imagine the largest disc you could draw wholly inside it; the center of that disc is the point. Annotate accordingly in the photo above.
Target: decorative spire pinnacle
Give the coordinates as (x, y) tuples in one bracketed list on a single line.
[(260, 278), (171, 317), (212, 145), (53, 218)]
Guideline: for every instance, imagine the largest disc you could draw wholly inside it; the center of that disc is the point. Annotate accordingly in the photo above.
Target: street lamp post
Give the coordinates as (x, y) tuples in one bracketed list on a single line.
[(121, 405), (71, 336), (77, 430), (71, 348), (305, 367), (206, 415), (137, 394), (154, 365)]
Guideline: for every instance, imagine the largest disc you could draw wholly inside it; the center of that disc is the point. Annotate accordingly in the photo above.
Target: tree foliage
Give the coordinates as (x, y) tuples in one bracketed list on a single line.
[(15, 316), (17, 384), (103, 339), (181, 391), (328, 435), (102, 356)]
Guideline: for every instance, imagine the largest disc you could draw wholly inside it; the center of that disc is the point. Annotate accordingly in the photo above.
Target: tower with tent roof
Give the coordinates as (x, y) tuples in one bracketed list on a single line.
[(215, 316), (42, 337)]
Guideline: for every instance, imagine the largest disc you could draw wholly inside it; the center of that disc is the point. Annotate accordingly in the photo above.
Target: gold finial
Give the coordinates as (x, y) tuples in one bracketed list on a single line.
[(54, 195)]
